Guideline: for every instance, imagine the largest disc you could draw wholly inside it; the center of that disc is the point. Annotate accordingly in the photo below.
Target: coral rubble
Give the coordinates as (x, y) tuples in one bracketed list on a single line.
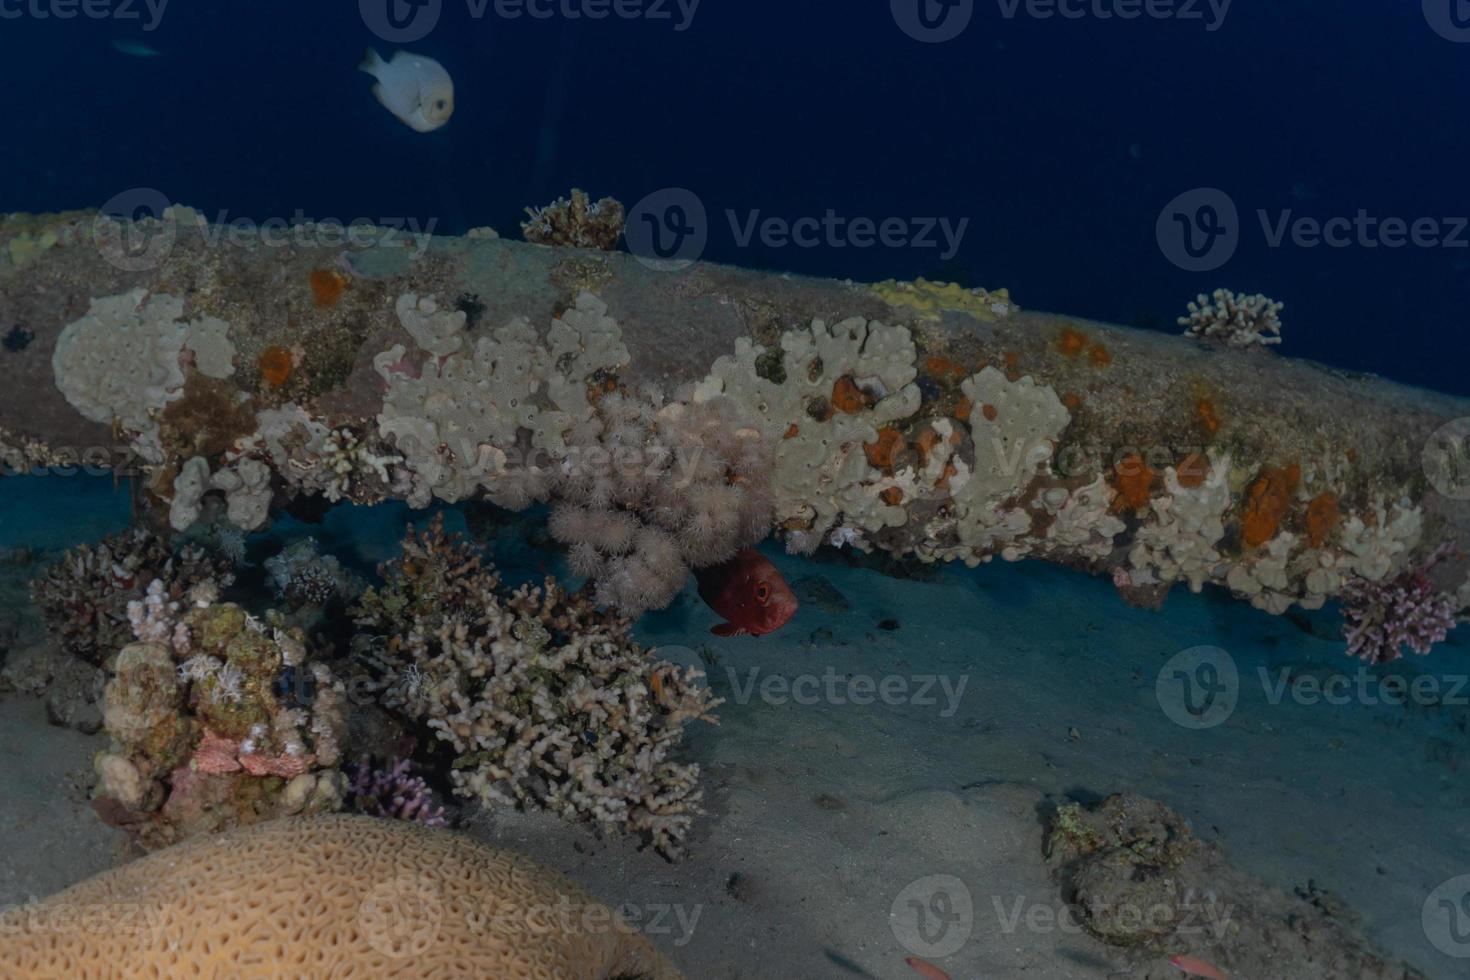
[(546, 701)]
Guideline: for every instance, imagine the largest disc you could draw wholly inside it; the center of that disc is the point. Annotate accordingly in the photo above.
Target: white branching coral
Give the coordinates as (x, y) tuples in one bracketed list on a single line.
[(548, 702), (819, 403), (1235, 321)]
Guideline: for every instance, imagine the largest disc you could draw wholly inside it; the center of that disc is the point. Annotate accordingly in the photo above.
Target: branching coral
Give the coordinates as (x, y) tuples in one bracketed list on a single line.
[(393, 793), (216, 719), (547, 701), (84, 597), (1234, 321), (576, 222), (1382, 618)]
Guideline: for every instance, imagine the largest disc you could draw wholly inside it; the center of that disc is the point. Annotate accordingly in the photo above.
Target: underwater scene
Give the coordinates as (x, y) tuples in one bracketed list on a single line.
[(653, 489)]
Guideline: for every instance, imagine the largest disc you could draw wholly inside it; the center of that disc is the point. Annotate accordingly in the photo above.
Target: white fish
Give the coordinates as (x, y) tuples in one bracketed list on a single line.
[(135, 49), (415, 89)]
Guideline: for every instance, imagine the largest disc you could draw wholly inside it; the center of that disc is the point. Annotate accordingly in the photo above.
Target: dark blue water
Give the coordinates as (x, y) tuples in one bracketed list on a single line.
[(1060, 140)]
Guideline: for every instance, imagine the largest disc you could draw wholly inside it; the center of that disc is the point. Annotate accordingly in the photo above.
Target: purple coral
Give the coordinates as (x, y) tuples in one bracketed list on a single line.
[(393, 793), (1381, 618)]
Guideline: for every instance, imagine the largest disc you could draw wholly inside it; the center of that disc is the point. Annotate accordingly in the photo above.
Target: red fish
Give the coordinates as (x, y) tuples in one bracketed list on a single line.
[(925, 969), (749, 592), (1196, 967)]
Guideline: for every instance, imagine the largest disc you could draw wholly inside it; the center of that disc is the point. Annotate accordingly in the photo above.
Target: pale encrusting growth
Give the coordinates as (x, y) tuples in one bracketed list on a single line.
[(822, 478), (1234, 321), (124, 360), (342, 897), (913, 437), (547, 701)]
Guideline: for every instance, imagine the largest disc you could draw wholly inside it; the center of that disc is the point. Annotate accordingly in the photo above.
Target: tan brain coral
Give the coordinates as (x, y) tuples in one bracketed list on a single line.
[(337, 896)]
